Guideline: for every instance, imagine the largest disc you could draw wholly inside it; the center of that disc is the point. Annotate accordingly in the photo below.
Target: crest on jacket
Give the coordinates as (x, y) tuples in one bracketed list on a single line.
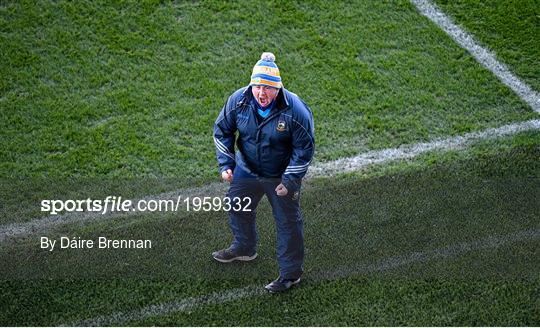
[(281, 126)]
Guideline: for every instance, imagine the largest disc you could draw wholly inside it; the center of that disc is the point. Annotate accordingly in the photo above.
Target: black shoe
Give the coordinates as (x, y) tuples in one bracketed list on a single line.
[(228, 255), (280, 285)]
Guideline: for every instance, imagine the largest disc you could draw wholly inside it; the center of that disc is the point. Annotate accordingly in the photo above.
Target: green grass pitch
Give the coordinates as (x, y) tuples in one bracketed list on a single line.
[(105, 98)]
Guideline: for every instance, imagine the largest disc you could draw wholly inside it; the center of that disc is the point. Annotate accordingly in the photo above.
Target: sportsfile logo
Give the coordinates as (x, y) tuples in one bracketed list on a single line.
[(110, 203), (119, 204)]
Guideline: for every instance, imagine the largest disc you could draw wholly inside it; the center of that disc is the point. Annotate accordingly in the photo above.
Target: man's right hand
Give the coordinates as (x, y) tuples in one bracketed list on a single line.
[(227, 175)]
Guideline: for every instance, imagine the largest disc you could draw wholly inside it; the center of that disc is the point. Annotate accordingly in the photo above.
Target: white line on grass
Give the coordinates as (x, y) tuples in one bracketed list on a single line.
[(318, 170), (491, 242), (350, 164), (482, 55), (171, 307)]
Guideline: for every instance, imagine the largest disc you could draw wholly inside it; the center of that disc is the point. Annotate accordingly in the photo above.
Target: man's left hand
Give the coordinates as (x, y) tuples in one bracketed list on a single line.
[(281, 190)]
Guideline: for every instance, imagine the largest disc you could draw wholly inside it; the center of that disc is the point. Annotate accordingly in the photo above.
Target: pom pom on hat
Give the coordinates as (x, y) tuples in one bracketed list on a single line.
[(266, 72), (268, 56)]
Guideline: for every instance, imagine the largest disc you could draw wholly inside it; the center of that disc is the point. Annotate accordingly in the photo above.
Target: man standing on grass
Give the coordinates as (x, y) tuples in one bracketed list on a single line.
[(274, 147)]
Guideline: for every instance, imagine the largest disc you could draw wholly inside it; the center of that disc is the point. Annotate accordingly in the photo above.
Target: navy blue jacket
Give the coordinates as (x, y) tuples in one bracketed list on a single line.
[(278, 146)]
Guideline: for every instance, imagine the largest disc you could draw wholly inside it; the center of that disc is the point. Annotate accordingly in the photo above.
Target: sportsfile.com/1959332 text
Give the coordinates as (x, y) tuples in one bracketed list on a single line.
[(119, 204)]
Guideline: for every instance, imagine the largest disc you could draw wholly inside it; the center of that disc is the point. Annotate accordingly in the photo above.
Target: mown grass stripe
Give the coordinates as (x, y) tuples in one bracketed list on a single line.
[(482, 55), (317, 170), (451, 251), (491, 242)]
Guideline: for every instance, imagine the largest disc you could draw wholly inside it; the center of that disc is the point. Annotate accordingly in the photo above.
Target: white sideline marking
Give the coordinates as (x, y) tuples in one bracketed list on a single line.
[(355, 163), (342, 165), (171, 307), (482, 55), (491, 242)]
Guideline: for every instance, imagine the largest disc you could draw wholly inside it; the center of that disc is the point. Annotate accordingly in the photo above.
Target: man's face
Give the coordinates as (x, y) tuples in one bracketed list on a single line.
[(264, 94)]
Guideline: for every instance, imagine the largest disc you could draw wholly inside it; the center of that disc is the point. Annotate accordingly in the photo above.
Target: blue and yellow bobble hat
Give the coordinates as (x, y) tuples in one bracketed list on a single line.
[(266, 72)]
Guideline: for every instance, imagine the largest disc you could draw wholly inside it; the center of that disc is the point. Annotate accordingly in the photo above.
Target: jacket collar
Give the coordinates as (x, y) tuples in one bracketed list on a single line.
[(281, 100)]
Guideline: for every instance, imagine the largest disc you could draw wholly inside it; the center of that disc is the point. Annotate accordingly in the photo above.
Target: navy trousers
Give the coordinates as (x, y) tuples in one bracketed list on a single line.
[(286, 212)]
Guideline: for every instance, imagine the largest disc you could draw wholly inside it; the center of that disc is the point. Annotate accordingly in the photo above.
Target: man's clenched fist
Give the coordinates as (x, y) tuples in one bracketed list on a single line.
[(281, 190), (227, 175)]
